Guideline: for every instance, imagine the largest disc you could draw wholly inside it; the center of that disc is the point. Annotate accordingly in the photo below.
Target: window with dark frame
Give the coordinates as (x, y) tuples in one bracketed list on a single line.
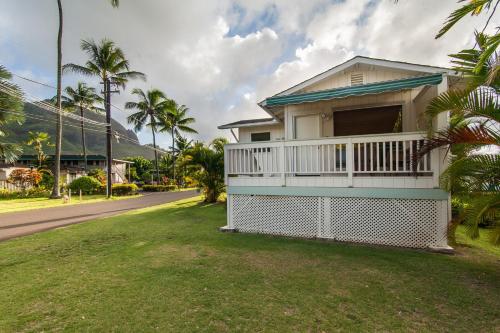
[(262, 136)]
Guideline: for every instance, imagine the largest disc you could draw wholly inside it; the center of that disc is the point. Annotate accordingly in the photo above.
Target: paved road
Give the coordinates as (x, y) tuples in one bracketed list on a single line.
[(31, 221)]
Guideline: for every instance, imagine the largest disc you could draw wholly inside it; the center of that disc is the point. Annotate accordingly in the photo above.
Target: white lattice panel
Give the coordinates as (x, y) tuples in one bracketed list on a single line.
[(276, 215), (396, 222)]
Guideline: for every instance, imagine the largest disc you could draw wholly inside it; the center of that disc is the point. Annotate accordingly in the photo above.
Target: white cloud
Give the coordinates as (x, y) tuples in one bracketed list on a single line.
[(189, 49)]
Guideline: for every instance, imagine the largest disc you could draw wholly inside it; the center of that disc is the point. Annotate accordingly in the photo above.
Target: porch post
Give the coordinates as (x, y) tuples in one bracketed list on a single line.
[(349, 162), (283, 163), (226, 166), (438, 156)]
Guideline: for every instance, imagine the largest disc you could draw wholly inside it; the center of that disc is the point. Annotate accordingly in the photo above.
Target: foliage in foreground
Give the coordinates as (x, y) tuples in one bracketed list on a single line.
[(474, 174), (208, 163)]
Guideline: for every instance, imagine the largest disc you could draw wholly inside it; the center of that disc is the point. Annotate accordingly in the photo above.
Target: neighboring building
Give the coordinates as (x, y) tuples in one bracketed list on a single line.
[(73, 166), (333, 160)]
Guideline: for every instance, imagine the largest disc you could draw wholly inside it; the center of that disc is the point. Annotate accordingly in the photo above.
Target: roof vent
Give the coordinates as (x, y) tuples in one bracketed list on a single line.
[(357, 79)]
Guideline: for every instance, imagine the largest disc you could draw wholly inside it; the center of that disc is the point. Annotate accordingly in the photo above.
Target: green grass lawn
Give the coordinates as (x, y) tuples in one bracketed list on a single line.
[(15, 205), (168, 268), (481, 244)]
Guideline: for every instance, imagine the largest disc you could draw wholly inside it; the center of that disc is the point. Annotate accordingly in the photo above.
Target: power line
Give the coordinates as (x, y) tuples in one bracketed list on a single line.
[(46, 106), (52, 87), (118, 136)]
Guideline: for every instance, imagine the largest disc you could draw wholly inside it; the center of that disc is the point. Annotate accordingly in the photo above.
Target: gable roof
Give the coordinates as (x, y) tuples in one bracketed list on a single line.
[(367, 61), (249, 123), (357, 90)]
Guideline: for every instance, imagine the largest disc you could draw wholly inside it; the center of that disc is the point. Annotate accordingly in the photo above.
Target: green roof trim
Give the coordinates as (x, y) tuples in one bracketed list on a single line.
[(365, 89)]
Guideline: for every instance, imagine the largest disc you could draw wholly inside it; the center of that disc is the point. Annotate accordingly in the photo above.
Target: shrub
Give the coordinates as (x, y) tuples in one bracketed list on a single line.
[(30, 193), (98, 174), (47, 181), (158, 188), (124, 189), (25, 178), (86, 184)]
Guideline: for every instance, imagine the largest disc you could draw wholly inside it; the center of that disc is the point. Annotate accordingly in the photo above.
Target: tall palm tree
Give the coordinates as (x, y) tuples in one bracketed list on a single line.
[(82, 97), (57, 165), (177, 122), (10, 111), (107, 62), (153, 106)]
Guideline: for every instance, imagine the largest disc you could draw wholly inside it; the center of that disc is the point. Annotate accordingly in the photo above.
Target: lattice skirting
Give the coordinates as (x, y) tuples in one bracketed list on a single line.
[(413, 223)]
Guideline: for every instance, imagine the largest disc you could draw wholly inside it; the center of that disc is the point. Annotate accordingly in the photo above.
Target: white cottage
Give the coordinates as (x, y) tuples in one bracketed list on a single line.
[(333, 160)]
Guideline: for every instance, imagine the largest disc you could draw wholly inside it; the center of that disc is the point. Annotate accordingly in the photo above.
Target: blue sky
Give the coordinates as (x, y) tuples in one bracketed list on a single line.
[(221, 57)]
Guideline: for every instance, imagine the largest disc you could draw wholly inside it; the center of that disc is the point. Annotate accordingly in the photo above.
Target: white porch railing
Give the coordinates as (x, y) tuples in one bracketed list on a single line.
[(384, 155)]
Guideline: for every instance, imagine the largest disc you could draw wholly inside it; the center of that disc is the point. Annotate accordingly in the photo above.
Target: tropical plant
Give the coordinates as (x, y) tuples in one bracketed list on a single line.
[(38, 140), (25, 178), (98, 174), (106, 61), (471, 7), (11, 107), (140, 167), (176, 123), (152, 107), (473, 175), (209, 162), (81, 98)]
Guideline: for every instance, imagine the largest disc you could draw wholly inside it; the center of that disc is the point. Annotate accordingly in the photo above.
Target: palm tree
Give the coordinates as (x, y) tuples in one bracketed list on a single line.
[(38, 140), (11, 108), (473, 176), (57, 165), (107, 62), (209, 160), (82, 97), (153, 106), (175, 123)]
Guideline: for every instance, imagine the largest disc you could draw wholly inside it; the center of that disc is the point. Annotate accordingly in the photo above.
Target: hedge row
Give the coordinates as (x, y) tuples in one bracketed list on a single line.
[(29, 193), (158, 188), (124, 189)]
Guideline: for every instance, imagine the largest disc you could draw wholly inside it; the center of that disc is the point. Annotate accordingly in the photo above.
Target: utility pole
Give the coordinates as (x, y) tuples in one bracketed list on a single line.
[(109, 156)]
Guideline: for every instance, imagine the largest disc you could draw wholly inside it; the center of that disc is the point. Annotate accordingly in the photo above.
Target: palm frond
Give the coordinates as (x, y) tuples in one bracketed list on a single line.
[(77, 69), (473, 7)]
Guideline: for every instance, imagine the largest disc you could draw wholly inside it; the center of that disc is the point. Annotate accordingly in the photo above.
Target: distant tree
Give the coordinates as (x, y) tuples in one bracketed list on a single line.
[(81, 98), (38, 140), (140, 167), (152, 107), (175, 123), (210, 163), (25, 178), (11, 110)]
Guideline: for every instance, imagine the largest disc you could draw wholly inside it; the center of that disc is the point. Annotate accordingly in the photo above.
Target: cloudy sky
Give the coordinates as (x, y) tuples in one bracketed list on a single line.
[(221, 57)]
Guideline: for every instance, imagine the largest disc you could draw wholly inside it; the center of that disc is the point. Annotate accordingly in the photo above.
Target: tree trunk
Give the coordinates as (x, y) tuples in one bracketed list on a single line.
[(84, 147), (156, 153), (56, 193), (173, 155)]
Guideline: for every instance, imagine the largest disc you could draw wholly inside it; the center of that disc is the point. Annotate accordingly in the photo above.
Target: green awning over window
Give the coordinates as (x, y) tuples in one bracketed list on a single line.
[(365, 89)]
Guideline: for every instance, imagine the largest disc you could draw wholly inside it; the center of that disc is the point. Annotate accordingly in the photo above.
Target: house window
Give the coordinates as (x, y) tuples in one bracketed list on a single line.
[(263, 136), (385, 119)]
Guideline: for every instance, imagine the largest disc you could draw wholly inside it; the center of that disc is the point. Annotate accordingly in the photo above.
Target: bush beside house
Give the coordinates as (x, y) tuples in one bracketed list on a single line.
[(86, 184)]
